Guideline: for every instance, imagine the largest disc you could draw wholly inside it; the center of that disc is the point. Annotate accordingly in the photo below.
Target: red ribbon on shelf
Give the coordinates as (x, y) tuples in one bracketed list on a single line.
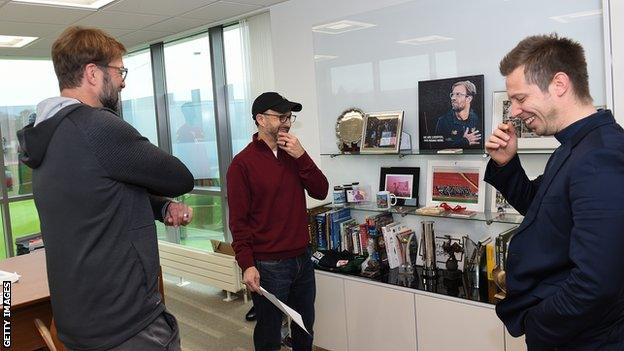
[(447, 207)]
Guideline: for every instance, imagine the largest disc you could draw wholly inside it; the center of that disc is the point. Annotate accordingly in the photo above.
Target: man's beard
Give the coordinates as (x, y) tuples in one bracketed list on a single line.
[(457, 107), (109, 98)]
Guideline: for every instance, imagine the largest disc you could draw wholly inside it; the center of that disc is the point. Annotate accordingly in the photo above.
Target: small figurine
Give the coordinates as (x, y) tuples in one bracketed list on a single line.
[(451, 249)]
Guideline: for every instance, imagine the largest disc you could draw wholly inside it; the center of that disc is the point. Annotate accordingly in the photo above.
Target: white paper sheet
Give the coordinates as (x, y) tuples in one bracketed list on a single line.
[(294, 315), (8, 276)]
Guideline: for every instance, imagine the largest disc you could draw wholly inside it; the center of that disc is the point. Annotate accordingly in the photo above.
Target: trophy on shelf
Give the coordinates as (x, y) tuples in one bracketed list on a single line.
[(349, 130), (430, 270), (451, 248), (406, 269), (405, 239), (371, 264)]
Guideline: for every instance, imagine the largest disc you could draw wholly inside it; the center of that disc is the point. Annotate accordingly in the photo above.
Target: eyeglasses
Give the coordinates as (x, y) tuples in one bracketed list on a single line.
[(123, 71), (457, 95), (283, 118)]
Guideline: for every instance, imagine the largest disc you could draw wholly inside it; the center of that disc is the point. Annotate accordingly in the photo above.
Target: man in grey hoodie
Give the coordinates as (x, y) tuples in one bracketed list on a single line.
[(98, 187)]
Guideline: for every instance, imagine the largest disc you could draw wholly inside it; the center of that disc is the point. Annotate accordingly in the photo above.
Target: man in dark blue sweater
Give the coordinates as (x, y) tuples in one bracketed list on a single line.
[(98, 187)]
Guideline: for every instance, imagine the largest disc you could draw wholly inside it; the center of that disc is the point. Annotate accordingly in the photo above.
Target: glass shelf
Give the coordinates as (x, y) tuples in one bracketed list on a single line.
[(486, 217), (405, 153)]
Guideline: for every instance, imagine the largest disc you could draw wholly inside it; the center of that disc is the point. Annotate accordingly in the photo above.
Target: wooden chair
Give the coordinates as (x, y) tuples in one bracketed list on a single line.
[(49, 336)]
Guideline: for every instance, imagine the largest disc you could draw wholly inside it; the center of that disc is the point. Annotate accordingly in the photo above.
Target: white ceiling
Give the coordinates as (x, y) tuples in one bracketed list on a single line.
[(133, 22)]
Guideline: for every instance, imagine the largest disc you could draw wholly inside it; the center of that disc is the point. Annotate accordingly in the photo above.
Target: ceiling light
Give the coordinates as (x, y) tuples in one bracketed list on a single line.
[(11, 41), (318, 58), (341, 27), (425, 40), (85, 4), (571, 17)]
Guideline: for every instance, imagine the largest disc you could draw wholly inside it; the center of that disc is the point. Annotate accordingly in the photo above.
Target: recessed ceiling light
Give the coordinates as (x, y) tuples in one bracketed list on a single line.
[(85, 4), (318, 58), (341, 27), (430, 39), (571, 17), (11, 41)]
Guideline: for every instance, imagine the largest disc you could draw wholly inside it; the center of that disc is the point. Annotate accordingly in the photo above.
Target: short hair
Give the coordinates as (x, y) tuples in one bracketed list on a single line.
[(543, 56), (78, 46), (471, 89)]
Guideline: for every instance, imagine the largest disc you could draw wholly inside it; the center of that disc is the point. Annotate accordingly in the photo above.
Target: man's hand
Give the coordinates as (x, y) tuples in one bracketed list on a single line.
[(290, 144), (503, 144), (251, 278), (178, 214), (473, 137)]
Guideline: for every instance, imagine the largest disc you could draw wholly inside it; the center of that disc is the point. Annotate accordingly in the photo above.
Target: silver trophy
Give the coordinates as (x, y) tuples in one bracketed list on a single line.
[(429, 250), (405, 239)]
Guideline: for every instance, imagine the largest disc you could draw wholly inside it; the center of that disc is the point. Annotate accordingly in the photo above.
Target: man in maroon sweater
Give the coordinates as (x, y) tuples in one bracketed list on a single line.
[(268, 220)]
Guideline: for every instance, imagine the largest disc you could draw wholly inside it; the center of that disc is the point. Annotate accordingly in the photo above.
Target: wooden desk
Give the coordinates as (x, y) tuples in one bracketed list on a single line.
[(30, 299)]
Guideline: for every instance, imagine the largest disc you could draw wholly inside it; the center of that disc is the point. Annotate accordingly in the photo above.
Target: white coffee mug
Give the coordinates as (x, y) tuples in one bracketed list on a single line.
[(385, 199)]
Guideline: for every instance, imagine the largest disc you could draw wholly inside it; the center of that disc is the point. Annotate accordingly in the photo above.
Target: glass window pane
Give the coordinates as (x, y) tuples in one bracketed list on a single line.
[(207, 223), (3, 253), (26, 83), (191, 107), (24, 219), (242, 125), (137, 98)]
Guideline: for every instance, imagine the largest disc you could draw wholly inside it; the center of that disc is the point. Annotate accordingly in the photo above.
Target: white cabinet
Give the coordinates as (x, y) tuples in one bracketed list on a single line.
[(330, 326), (514, 344), (448, 325), (379, 318), (355, 314)]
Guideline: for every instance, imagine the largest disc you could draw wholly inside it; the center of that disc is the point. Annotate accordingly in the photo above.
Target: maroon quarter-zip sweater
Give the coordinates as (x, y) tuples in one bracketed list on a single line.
[(267, 204)]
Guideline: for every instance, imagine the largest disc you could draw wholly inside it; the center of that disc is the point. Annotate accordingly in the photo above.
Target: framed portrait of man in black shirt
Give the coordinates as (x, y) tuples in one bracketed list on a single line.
[(451, 113)]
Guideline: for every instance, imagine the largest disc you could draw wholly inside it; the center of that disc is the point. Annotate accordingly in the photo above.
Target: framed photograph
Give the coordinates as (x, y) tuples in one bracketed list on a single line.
[(382, 132), (402, 182), (498, 202), (527, 140), (451, 113), (456, 183)]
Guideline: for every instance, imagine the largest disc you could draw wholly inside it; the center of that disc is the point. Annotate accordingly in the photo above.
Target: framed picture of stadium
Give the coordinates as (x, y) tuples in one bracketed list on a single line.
[(456, 183)]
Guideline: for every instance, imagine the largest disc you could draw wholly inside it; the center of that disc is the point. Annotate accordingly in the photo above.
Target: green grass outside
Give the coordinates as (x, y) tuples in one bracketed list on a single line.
[(24, 221), (206, 225)]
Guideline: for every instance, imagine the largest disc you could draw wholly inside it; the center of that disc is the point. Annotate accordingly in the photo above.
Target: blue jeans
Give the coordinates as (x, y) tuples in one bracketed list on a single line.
[(292, 282)]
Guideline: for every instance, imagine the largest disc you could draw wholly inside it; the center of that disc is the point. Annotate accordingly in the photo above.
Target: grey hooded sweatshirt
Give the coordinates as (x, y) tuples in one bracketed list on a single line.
[(98, 187)]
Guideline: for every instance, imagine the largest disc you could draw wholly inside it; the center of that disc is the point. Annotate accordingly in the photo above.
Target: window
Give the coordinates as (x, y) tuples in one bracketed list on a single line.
[(138, 95), (24, 219), (26, 83), (207, 223), (191, 108), (37, 78)]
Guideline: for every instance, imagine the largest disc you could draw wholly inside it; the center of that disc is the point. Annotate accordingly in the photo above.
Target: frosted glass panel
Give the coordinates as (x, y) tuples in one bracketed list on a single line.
[(403, 72), (373, 60), (352, 79)]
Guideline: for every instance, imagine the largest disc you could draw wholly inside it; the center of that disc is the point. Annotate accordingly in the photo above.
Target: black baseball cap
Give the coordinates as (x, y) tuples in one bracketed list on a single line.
[(273, 101)]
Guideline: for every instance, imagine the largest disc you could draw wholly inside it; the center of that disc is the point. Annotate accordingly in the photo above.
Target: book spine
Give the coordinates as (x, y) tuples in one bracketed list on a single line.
[(320, 232)]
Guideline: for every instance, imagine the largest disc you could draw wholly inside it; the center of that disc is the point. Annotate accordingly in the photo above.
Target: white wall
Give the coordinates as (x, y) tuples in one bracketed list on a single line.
[(617, 56)]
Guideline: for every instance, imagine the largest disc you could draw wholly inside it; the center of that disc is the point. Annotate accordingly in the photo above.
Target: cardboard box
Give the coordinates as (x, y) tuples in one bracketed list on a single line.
[(222, 247)]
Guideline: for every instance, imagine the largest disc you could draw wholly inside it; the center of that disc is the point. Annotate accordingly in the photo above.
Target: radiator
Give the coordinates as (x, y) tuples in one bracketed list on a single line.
[(210, 268)]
